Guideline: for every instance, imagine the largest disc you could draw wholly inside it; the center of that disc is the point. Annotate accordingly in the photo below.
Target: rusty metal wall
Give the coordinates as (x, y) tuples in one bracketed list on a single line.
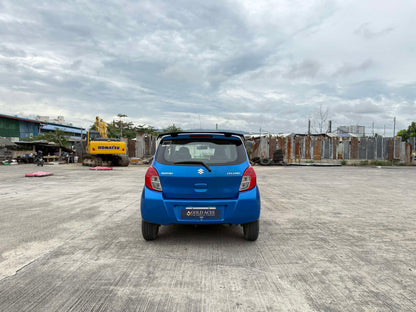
[(354, 148), (298, 148), (326, 148), (346, 153), (145, 145), (317, 148), (131, 147), (390, 148), (379, 148), (308, 147), (362, 149), (264, 147), (371, 149), (255, 148), (288, 150), (272, 146), (280, 143), (408, 153), (397, 146), (249, 143), (412, 142)]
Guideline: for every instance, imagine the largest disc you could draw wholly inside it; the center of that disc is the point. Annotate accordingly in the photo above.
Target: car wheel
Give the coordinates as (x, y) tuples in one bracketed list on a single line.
[(265, 162), (149, 230), (251, 230)]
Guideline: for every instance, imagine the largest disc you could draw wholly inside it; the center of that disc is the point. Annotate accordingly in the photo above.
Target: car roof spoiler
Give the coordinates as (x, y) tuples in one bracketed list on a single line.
[(225, 133)]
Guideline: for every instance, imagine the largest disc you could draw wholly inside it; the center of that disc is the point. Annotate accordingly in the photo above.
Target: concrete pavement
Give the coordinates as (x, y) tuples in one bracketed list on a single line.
[(331, 239)]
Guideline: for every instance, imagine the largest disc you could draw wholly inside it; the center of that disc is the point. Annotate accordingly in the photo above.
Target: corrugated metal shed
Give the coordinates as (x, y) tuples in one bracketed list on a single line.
[(9, 128)]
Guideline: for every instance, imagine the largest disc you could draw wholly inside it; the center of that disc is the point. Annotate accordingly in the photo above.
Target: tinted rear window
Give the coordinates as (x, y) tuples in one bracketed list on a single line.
[(210, 151)]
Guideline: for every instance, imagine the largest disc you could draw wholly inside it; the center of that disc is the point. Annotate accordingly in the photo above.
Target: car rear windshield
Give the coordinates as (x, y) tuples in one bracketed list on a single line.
[(208, 150)]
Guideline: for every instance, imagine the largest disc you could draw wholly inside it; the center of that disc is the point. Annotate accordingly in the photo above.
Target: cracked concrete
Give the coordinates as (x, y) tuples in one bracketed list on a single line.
[(331, 239)]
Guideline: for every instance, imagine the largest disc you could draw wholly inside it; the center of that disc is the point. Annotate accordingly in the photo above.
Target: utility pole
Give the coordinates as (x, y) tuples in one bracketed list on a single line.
[(394, 138), (309, 127), (121, 124), (82, 152), (260, 145)]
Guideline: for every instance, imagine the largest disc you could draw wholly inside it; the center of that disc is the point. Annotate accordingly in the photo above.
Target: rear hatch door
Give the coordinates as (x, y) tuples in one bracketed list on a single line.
[(201, 167)]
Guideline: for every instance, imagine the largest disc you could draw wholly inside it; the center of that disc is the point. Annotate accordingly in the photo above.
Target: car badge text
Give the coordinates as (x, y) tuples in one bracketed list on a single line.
[(201, 171)]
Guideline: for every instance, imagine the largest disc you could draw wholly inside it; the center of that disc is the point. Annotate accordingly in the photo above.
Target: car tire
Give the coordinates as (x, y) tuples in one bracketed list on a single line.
[(149, 230), (251, 230), (265, 162)]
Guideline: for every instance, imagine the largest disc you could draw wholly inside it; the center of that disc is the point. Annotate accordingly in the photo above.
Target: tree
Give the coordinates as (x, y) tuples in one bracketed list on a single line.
[(116, 128), (172, 128), (120, 122), (409, 133), (319, 119), (146, 129), (57, 137)]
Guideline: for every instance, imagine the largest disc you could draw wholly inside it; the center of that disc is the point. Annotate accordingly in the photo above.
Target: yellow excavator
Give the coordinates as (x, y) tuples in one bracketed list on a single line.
[(102, 151)]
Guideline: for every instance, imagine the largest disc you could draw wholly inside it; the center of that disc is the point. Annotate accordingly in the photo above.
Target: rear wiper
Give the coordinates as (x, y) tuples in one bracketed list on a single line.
[(197, 162)]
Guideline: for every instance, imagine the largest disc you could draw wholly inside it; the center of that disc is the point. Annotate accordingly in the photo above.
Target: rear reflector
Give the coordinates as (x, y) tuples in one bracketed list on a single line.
[(152, 180), (249, 180)]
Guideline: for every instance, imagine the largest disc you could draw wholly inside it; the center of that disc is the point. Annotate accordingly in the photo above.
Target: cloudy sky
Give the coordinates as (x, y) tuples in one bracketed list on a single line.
[(242, 65)]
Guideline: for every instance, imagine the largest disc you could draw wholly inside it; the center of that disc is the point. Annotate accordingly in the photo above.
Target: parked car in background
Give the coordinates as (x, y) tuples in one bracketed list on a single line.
[(200, 178)]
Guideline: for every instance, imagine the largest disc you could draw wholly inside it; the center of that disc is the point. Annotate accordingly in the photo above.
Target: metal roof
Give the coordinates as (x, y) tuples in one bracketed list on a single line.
[(47, 125), (62, 128), (347, 135), (20, 118)]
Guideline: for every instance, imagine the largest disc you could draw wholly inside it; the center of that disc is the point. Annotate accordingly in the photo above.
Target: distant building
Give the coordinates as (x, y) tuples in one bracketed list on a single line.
[(358, 131), (16, 128), (59, 120)]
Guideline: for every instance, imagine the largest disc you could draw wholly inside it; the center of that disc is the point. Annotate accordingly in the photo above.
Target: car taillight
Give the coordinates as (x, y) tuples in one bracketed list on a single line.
[(249, 180), (152, 180)]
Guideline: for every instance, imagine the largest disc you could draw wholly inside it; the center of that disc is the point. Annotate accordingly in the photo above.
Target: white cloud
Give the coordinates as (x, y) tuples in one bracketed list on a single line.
[(241, 64)]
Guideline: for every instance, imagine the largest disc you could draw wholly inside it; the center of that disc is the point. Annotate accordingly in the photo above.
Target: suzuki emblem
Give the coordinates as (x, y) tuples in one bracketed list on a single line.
[(201, 171)]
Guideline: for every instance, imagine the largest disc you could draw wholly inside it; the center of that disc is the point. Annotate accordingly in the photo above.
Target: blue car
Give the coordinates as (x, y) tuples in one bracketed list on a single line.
[(200, 178)]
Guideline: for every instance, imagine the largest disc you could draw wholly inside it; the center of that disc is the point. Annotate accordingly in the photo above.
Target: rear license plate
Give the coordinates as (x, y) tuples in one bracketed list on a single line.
[(200, 212)]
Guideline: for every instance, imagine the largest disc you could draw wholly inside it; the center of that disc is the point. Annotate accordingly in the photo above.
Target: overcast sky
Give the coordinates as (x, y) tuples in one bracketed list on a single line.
[(244, 65)]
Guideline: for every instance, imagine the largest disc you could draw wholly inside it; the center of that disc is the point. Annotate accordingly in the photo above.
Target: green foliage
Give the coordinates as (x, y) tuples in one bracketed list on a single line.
[(146, 129), (409, 133), (343, 162), (172, 128), (57, 137), (129, 129), (379, 163), (119, 127)]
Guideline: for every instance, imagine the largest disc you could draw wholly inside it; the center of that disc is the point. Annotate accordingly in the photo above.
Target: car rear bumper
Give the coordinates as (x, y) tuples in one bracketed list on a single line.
[(158, 210)]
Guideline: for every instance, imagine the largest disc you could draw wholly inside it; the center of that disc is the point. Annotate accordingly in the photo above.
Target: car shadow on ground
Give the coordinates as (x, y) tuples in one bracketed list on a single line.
[(201, 233)]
